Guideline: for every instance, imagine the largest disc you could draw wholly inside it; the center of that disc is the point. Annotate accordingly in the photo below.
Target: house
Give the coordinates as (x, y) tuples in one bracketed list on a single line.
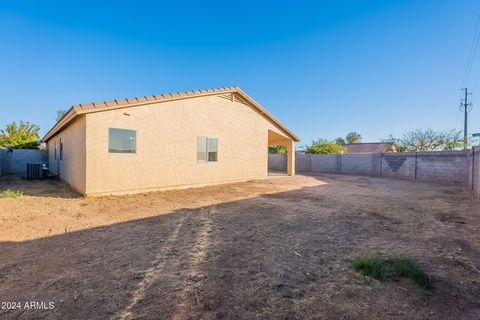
[(165, 141), (369, 147)]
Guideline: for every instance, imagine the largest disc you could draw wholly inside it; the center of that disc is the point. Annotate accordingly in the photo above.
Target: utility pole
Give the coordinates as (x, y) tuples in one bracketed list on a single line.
[(465, 106)]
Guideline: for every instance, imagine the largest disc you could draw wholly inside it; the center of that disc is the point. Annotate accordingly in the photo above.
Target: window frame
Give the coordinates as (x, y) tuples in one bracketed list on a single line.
[(55, 150), (124, 152), (207, 151)]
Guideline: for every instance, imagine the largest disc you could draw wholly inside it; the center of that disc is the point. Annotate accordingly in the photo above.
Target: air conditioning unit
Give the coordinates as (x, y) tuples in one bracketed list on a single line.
[(36, 171)]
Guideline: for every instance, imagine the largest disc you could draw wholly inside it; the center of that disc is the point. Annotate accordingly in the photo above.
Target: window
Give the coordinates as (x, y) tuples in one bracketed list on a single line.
[(61, 149), (55, 150), (212, 149), (201, 149), (122, 141), (207, 149)]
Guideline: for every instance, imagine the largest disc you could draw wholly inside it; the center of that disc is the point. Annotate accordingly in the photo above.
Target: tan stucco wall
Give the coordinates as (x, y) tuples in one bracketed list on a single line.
[(167, 145), (72, 167)]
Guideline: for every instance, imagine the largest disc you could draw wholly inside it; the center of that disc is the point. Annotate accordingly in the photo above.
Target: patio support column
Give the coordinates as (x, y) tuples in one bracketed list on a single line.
[(291, 158)]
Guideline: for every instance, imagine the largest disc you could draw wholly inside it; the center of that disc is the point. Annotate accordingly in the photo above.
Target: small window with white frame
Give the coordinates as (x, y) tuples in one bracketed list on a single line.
[(207, 149)]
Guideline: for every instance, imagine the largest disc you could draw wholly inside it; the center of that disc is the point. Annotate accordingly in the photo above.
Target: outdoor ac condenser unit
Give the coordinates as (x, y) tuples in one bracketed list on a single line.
[(34, 171)]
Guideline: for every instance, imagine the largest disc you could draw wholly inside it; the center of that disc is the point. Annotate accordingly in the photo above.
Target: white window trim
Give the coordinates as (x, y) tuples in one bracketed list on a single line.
[(206, 149)]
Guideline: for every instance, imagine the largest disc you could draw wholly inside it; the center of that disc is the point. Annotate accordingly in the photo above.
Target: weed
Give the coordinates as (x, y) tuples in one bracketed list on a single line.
[(9, 193), (384, 268)]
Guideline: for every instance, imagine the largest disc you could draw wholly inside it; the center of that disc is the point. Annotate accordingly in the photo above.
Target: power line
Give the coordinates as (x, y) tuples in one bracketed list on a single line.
[(472, 53), (476, 83), (475, 97), (456, 118)]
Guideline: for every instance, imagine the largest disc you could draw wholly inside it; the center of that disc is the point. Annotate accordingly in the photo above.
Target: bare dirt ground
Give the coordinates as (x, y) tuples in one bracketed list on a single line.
[(270, 249)]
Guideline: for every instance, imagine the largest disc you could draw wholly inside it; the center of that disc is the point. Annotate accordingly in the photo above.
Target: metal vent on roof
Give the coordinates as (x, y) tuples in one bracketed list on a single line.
[(227, 96), (239, 99), (232, 97)]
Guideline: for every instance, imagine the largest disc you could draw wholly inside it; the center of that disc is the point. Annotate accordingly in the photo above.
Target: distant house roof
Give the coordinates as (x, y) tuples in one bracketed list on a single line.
[(371, 147), (79, 109)]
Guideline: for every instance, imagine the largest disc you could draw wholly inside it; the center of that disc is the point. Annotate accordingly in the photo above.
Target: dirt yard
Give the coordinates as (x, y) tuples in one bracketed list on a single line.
[(271, 249)]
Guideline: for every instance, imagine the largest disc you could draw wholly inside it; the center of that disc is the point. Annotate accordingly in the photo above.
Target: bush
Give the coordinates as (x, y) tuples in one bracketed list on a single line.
[(9, 193), (324, 147), (384, 268), (277, 149)]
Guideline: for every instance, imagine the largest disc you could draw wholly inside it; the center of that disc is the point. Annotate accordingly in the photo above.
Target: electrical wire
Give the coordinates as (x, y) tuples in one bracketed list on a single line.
[(476, 82), (456, 120), (472, 53)]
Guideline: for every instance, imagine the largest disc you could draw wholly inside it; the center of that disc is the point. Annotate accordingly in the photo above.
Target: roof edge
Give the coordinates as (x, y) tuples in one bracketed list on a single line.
[(76, 110)]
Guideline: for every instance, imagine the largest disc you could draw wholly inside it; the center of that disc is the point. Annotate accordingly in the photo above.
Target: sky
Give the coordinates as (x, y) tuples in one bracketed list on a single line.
[(323, 68)]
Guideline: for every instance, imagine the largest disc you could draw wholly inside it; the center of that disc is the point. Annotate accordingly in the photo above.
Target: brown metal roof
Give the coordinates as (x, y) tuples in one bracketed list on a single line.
[(367, 147), (79, 109)]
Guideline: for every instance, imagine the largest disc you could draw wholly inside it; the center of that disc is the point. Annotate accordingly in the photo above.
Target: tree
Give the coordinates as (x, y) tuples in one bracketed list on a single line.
[(354, 137), (340, 141), (324, 146), (427, 140), (277, 149), (60, 114), (23, 136), (392, 145)]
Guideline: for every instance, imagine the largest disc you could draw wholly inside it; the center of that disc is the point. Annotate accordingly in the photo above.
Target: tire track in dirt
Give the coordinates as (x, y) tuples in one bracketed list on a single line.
[(188, 297), (151, 274)]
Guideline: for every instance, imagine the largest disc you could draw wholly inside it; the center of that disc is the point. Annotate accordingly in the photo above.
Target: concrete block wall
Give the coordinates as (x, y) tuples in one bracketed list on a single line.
[(475, 173), (356, 164), (329, 163), (398, 165), (326, 163), (446, 167), (302, 163), (16, 161), (376, 164), (277, 162)]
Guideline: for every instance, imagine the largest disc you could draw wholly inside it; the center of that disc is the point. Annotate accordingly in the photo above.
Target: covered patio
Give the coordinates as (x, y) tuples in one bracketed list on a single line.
[(276, 139)]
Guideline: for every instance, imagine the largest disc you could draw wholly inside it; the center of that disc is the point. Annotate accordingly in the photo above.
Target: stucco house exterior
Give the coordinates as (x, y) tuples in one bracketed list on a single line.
[(165, 141)]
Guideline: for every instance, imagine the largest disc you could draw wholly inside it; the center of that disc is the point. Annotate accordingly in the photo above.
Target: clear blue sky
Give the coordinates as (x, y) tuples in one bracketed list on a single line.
[(324, 68)]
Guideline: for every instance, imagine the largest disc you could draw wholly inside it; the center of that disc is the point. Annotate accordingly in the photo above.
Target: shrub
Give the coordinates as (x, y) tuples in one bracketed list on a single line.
[(384, 268), (324, 147), (9, 193)]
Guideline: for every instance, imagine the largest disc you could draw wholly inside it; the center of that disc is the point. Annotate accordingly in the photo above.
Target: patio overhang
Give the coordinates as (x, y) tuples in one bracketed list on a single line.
[(277, 139)]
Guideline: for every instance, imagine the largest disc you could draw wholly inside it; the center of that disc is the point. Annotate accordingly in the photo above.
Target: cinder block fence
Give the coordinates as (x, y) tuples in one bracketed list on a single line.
[(475, 174), (16, 161), (446, 167)]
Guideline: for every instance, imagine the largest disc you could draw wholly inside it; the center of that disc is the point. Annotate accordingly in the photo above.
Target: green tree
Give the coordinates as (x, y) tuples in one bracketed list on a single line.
[(340, 141), (324, 146), (23, 136), (277, 149), (392, 145), (354, 137), (427, 140)]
